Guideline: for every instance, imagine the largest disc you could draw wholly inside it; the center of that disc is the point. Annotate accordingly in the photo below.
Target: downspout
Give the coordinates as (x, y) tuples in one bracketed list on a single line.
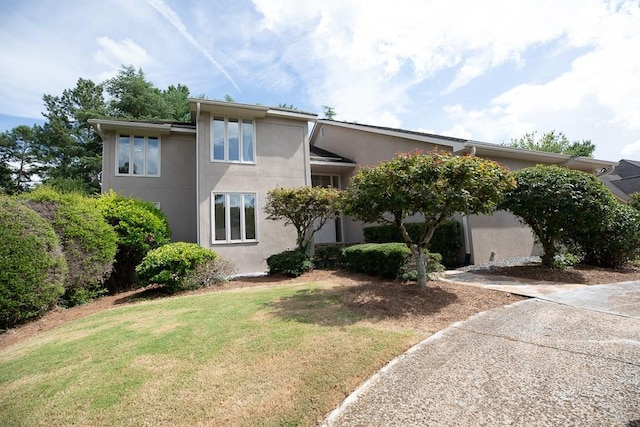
[(197, 173), (99, 130), (465, 228)]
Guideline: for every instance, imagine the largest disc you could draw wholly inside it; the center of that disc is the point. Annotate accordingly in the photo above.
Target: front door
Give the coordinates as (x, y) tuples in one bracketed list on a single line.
[(330, 231)]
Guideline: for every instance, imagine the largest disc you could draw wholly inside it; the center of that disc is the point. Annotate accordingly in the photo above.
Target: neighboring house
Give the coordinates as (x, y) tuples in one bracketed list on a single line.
[(624, 180), (211, 177)]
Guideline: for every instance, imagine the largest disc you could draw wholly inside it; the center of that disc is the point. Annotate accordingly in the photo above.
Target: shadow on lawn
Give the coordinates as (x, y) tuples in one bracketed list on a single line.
[(371, 301)]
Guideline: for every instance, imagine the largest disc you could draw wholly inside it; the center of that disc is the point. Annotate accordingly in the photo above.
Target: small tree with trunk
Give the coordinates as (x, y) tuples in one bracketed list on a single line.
[(306, 208), (561, 206), (434, 186)]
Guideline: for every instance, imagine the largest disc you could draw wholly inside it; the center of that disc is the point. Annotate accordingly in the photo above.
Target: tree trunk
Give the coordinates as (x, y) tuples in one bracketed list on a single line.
[(549, 254), (421, 266)]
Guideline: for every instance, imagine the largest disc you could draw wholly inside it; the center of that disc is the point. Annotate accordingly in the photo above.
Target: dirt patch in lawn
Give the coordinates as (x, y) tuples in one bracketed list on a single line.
[(429, 310)]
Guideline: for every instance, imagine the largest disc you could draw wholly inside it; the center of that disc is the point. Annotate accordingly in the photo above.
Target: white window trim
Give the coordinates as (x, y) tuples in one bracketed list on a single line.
[(227, 218), (132, 136), (226, 141)]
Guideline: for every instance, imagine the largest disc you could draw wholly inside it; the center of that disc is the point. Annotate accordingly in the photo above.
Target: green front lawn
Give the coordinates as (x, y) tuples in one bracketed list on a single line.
[(282, 355)]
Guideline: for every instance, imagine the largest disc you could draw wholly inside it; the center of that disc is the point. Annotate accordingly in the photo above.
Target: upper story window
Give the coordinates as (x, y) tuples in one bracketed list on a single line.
[(138, 155), (232, 140)]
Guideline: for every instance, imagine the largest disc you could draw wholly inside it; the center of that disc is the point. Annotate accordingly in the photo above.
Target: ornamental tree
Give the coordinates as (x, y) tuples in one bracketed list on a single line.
[(560, 205), (303, 207), (434, 186)]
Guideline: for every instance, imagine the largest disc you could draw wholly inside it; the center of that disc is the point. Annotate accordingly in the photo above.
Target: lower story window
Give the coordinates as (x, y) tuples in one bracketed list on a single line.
[(233, 217)]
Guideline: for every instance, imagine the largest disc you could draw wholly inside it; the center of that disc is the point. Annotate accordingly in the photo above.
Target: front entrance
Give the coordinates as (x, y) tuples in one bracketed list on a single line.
[(331, 231)]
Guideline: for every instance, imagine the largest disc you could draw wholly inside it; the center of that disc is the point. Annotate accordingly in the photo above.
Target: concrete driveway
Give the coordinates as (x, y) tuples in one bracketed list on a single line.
[(570, 359)]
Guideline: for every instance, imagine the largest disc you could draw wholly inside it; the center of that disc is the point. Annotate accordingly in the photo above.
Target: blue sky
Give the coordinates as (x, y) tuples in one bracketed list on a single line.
[(489, 71)]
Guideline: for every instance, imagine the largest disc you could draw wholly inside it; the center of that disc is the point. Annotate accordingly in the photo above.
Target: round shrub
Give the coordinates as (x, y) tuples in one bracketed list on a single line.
[(171, 264), (290, 263), (32, 267), (88, 242), (140, 227), (615, 242), (559, 205)]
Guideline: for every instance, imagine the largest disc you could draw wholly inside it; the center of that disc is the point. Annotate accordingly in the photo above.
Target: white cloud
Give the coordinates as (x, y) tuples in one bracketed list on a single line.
[(632, 149), (370, 56), (113, 54)]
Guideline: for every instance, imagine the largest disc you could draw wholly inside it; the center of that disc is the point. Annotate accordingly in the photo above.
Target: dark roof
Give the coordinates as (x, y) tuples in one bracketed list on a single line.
[(410, 132), (327, 155)]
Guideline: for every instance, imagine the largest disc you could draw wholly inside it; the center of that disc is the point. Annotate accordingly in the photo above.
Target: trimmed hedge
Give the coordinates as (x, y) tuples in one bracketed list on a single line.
[(32, 267), (377, 259), (88, 242), (170, 265), (389, 260), (290, 263), (447, 239), (329, 256)]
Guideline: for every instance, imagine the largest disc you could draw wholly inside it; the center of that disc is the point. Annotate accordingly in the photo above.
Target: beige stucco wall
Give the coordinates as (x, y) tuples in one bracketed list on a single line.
[(174, 189), (365, 149), (500, 234), (281, 160)]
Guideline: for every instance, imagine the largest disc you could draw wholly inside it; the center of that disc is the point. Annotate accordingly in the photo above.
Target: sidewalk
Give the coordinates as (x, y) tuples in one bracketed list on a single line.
[(517, 286), (570, 359)]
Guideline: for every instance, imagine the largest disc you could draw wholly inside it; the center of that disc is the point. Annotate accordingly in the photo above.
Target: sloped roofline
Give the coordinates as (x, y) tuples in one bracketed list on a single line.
[(464, 146), (235, 109)]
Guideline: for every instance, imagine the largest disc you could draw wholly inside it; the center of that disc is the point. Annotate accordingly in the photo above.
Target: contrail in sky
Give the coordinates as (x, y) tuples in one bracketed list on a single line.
[(175, 20)]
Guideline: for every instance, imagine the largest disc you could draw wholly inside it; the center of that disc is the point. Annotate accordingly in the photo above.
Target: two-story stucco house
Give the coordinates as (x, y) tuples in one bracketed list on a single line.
[(211, 177)]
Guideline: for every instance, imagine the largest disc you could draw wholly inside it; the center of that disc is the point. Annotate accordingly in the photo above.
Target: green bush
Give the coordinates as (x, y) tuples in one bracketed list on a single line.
[(388, 260), (140, 227), (447, 239), (560, 205), (329, 256), (171, 264), (290, 263), (32, 267), (377, 259), (615, 242), (88, 242)]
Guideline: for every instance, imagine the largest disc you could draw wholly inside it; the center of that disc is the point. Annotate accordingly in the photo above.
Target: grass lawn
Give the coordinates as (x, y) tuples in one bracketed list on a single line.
[(279, 355)]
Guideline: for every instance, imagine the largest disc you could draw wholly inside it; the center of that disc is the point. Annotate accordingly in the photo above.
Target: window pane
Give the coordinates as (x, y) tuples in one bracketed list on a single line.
[(234, 216), (233, 135), (218, 138), (219, 217), (247, 141), (250, 216), (153, 156), (123, 154), (138, 155)]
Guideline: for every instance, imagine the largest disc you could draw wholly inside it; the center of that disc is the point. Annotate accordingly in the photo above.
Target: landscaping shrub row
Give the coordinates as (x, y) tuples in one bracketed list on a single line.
[(447, 239), (68, 249), (389, 260)]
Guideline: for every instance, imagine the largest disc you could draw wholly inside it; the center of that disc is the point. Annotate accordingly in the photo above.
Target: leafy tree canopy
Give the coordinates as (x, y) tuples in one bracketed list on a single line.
[(554, 142), (558, 204), (302, 207), (435, 186)]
